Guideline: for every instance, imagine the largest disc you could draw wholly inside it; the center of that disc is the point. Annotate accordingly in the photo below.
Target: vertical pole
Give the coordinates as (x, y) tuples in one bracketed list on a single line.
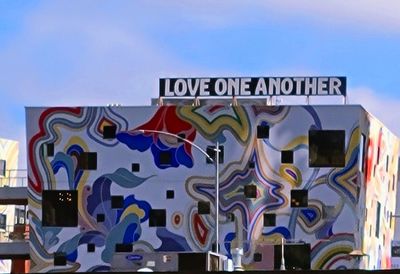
[(217, 198), (283, 267)]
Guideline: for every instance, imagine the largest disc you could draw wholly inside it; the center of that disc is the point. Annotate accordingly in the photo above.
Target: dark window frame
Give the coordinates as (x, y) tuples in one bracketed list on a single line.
[(3, 167), (165, 158), (250, 191), (170, 194), (135, 167), (287, 157), (327, 148), (87, 161), (117, 201), (154, 218), (109, 132), (203, 207), (269, 219), (263, 131), (60, 208), (299, 198)]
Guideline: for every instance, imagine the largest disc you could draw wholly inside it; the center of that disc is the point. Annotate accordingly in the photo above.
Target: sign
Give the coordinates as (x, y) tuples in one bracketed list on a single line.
[(245, 86), (134, 257)]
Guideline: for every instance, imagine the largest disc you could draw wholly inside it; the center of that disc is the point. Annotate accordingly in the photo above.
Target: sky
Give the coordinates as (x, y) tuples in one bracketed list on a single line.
[(69, 53)]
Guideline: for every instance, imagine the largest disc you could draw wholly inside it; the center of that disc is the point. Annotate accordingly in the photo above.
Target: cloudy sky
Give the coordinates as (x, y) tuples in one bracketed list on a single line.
[(101, 52)]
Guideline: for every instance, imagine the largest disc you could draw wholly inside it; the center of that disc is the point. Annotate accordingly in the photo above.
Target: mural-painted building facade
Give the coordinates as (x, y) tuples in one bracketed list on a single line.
[(9, 214), (100, 182)]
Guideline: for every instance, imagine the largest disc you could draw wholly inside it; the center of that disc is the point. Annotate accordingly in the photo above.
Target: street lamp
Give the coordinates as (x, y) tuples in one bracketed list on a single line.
[(216, 163)]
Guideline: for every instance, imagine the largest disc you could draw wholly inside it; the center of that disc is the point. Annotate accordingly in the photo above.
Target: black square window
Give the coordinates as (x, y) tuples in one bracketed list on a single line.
[(252, 164), (387, 163), (287, 157), (165, 158), (326, 148), (100, 218), (87, 161), (395, 251), (158, 217), (296, 255), (231, 217), (60, 258), (182, 137), (378, 219), (299, 198), (109, 132), (135, 167), (257, 257), (269, 219), (211, 152), (203, 207), (250, 191), (123, 247), (91, 247), (2, 167), (170, 194), (117, 201), (262, 132), (60, 208), (50, 150)]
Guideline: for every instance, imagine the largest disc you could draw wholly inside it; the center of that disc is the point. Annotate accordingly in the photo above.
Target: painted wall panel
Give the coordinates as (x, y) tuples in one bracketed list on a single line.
[(329, 223)]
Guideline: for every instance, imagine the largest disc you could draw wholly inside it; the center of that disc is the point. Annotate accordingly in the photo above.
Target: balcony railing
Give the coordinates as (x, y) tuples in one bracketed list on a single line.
[(14, 178), (14, 233)]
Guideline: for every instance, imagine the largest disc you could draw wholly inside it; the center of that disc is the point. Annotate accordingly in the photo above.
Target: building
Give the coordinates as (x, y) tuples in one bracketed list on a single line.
[(12, 213), (103, 182)]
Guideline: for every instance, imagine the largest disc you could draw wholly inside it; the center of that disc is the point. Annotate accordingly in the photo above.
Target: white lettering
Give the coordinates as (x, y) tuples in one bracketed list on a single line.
[(334, 86), (193, 89), (322, 86), (261, 87), (264, 86), (204, 84), (310, 86), (233, 86), (287, 86), (298, 85), (167, 91), (220, 87), (244, 86), (274, 86), (180, 87)]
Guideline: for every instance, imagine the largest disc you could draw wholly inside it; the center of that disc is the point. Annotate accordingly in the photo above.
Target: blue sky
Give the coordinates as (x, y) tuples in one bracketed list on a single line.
[(100, 52)]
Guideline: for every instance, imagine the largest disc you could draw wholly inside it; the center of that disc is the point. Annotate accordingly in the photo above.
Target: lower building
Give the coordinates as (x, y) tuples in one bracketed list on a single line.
[(106, 181), (11, 215)]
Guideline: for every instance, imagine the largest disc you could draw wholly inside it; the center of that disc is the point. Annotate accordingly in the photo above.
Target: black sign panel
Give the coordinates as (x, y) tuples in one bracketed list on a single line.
[(260, 86)]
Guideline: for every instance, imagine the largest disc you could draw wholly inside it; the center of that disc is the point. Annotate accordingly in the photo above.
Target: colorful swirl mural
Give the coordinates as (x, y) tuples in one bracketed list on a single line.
[(178, 187)]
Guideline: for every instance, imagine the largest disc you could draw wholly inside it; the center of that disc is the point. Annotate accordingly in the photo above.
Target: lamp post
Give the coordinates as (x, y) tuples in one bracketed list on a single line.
[(216, 163)]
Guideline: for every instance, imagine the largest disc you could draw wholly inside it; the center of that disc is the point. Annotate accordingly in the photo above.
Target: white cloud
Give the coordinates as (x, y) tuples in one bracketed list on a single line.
[(118, 63), (367, 15), (385, 109)]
